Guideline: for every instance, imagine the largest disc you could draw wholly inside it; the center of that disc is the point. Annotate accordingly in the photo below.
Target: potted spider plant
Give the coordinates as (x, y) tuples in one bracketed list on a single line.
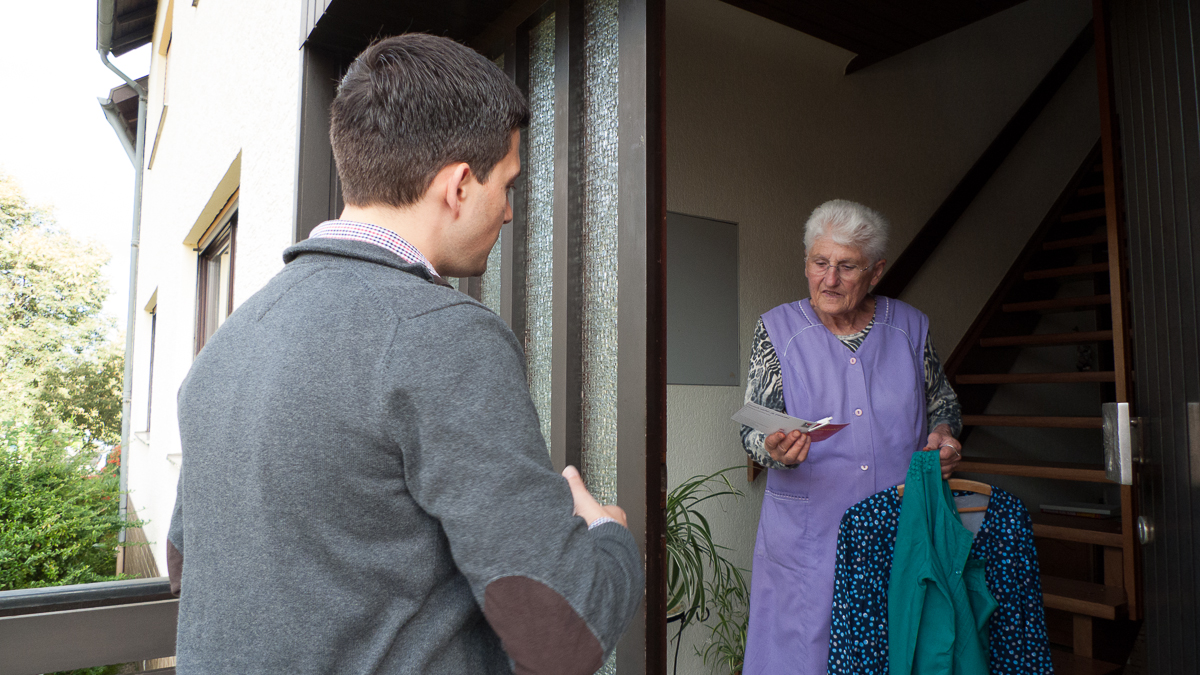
[(699, 577), (725, 647)]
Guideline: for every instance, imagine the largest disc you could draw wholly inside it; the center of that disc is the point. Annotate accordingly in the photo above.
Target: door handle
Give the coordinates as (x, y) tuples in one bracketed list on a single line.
[(1145, 530)]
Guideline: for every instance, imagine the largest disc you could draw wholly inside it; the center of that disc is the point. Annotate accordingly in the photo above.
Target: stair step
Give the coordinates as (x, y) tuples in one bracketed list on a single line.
[(1075, 242), (1058, 304), (1082, 597), (1089, 191), (1082, 215), (1072, 338), (1075, 270), (1037, 378), (1085, 473), (1066, 663), (1033, 421), (1098, 531)]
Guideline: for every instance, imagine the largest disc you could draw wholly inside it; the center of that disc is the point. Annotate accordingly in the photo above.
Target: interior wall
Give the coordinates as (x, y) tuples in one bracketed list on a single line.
[(762, 126)]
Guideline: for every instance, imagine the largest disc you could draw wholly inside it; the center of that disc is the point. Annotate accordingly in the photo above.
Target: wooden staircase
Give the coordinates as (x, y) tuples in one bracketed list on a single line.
[(1030, 419)]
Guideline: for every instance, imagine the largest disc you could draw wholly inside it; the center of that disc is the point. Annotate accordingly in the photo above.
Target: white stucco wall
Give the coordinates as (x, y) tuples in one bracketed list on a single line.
[(762, 126), (232, 85)]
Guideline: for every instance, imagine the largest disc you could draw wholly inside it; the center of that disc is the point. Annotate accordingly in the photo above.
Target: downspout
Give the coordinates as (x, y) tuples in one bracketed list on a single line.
[(104, 29)]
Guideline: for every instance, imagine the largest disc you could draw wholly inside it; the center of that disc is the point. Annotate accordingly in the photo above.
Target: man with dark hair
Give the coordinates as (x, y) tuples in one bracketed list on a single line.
[(365, 487)]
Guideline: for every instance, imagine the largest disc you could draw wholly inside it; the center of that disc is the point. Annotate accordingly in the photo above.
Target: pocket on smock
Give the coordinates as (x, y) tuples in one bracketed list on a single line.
[(783, 529)]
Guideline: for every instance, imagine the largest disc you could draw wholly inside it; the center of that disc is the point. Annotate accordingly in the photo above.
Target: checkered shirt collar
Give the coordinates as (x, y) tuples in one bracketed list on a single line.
[(373, 234)]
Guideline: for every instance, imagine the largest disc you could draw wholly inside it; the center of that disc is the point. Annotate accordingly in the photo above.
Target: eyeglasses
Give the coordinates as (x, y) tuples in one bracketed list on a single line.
[(820, 267)]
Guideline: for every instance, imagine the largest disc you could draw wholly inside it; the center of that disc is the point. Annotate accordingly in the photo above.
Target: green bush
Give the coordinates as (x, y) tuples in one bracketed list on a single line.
[(58, 513)]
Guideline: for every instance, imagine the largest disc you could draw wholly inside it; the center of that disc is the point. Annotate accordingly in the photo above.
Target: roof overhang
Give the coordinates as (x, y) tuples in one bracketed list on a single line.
[(121, 109), (124, 25)]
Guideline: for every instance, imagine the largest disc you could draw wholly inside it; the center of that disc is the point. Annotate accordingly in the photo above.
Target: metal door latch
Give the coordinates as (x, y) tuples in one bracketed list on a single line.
[(1120, 443)]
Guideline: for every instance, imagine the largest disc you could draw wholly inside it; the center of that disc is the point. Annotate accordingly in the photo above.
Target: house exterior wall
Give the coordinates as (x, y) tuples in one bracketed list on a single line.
[(230, 85), (762, 126)]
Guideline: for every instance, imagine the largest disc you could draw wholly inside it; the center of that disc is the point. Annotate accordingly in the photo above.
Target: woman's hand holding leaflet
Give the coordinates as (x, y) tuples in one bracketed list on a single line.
[(790, 449)]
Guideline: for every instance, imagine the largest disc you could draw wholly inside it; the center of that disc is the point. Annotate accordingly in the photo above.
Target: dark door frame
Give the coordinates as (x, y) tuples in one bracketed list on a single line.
[(1151, 104)]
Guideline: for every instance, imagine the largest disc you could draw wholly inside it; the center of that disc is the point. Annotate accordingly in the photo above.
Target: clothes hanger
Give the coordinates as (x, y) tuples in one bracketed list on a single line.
[(964, 485)]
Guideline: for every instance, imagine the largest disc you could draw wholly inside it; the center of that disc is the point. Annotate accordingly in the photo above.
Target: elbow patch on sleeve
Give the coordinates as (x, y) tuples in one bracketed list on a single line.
[(540, 630), (174, 568)]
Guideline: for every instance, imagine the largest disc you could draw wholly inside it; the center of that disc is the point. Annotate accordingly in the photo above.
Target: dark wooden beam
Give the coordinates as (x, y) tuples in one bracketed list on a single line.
[(641, 318), (566, 363)]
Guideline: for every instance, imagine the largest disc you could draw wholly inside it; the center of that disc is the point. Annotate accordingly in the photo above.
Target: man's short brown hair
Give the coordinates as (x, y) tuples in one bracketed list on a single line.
[(412, 104)]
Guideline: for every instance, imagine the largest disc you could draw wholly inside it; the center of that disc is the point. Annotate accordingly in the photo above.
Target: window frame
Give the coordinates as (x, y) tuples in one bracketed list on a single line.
[(223, 237)]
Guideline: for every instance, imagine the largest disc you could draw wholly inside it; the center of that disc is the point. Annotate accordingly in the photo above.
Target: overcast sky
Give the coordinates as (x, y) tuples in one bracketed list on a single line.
[(55, 140)]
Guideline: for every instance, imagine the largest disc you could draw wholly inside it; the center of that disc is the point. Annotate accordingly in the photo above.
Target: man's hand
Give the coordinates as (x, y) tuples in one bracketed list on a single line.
[(949, 449), (586, 506), (790, 449)]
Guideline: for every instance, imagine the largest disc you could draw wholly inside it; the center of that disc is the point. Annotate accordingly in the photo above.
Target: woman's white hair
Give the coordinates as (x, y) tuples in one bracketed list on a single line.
[(849, 224)]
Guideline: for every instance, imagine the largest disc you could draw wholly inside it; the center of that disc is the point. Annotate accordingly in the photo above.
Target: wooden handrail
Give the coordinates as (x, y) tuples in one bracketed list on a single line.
[(905, 267)]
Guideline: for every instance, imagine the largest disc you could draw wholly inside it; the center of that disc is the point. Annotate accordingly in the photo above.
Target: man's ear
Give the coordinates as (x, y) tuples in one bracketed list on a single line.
[(458, 176)]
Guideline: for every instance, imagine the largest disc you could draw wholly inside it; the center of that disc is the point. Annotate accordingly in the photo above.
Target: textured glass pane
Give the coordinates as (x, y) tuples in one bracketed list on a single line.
[(600, 255), (491, 278), (600, 250), (540, 222), (453, 281)]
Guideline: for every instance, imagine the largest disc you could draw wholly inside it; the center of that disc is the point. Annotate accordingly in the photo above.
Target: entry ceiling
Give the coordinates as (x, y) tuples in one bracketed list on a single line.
[(350, 24), (874, 29)]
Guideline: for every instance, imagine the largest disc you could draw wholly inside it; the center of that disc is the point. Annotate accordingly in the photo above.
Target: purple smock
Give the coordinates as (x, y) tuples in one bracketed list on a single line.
[(880, 391)]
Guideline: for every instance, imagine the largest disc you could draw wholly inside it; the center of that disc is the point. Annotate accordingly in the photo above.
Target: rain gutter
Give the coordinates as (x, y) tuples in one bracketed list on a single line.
[(105, 20)]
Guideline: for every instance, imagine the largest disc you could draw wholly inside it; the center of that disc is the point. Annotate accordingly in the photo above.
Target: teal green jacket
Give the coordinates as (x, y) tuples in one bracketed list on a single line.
[(938, 600)]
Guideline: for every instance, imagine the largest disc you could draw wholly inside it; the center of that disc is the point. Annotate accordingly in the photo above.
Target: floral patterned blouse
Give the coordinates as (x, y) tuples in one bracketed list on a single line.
[(1017, 637)]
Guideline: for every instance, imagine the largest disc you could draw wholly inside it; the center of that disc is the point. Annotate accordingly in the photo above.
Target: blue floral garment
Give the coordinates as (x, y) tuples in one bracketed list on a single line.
[(858, 642)]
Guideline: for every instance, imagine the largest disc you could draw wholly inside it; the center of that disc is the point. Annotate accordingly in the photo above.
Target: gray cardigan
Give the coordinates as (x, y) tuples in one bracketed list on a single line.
[(365, 489)]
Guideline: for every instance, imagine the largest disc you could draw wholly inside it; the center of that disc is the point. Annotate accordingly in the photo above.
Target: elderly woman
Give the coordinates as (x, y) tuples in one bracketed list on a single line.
[(864, 359)]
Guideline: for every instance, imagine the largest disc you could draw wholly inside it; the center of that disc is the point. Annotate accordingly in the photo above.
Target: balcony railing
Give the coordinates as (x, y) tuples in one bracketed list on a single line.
[(43, 630)]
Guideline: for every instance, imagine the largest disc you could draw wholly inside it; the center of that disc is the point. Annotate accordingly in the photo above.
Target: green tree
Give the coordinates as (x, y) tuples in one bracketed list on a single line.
[(59, 369), (84, 394), (60, 406)]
